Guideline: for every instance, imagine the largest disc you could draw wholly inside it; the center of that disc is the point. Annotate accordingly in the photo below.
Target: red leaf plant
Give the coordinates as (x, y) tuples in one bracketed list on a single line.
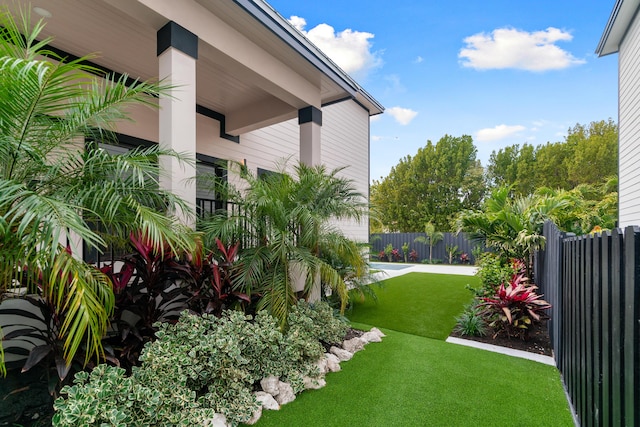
[(514, 308), (213, 285)]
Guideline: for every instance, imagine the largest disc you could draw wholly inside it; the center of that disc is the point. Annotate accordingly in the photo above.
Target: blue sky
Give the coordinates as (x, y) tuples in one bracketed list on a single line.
[(503, 71)]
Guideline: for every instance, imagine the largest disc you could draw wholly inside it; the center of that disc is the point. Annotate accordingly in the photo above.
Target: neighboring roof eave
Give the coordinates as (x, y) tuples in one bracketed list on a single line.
[(281, 27), (373, 106), (621, 17)]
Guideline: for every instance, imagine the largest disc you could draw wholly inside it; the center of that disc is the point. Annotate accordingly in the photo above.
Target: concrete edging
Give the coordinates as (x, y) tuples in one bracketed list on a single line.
[(547, 360)]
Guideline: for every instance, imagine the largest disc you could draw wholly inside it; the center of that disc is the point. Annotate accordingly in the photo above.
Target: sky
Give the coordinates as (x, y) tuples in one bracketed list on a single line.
[(503, 71)]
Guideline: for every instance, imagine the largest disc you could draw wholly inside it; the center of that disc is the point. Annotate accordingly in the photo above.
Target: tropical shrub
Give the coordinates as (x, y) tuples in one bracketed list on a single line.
[(318, 322), (107, 397), (493, 272), (388, 252), (512, 226), (200, 366), (211, 287), (359, 282), (285, 223), (471, 322), (405, 251), (464, 258), (413, 255), (36, 326), (431, 238), (51, 189), (452, 251), (514, 307), (477, 251), (150, 287)]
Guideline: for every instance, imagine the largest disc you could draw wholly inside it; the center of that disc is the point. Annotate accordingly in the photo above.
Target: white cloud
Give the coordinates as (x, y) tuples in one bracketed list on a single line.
[(497, 133), (418, 60), (350, 49), (375, 118), (512, 48), (404, 116), (376, 137), (298, 22)]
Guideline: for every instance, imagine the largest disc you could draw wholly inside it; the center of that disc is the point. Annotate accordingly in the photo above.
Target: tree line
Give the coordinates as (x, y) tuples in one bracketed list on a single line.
[(443, 179)]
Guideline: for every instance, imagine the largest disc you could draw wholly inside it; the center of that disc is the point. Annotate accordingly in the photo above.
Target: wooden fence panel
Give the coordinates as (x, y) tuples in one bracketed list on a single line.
[(380, 240), (588, 329), (617, 307), (593, 283), (596, 327), (607, 355), (631, 360)]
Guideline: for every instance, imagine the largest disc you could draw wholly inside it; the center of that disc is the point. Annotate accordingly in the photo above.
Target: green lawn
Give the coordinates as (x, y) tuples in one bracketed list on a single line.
[(409, 380), (412, 379), (423, 304)]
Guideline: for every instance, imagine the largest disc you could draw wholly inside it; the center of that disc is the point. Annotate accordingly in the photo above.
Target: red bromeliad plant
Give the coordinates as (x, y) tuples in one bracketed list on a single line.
[(514, 307)]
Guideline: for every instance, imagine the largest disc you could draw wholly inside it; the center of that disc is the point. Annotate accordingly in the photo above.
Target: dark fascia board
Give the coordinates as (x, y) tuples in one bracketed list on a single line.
[(622, 15), (271, 19), (207, 112)]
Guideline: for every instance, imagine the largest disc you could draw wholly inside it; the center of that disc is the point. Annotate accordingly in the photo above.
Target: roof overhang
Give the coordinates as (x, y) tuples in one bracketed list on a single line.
[(253, 66), (621, 16)]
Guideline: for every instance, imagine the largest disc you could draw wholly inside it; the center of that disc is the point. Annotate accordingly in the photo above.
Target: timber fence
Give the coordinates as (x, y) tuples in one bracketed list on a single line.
[(380, 240), (593, 283)]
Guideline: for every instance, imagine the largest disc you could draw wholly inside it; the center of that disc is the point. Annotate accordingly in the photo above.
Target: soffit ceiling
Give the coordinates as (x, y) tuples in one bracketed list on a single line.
[(127, 44)]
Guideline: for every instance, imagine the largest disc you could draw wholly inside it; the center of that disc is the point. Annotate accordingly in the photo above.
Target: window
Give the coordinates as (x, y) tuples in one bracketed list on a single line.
[(210, 174)]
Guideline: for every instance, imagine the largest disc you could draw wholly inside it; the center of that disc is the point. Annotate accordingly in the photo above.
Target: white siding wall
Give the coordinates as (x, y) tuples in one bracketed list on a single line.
[(629, 122), (345, 142)]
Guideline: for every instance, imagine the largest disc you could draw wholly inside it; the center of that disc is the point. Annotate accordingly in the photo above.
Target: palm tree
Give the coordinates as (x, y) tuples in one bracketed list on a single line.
[(286, 228), (512, 225), (51, 188), (432, 238)]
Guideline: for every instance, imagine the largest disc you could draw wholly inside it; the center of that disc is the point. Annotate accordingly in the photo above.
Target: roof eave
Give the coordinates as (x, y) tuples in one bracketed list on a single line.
[(269, 17), (617, 25)]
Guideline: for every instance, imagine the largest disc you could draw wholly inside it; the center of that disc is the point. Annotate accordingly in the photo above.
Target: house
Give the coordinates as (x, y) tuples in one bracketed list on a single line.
[(248, 86), (622, 36)]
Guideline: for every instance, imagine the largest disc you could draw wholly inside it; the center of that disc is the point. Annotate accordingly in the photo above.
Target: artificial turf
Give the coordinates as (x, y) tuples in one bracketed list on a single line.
[(423, 304), (410, 380)]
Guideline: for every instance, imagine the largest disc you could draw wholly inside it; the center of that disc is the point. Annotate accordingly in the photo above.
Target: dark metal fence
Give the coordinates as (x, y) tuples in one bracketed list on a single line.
[(593, 283), (112, 253), (380, 240)]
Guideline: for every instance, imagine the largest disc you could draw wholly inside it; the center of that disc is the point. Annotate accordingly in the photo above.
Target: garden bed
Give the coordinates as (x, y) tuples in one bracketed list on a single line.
[(538, 342)]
